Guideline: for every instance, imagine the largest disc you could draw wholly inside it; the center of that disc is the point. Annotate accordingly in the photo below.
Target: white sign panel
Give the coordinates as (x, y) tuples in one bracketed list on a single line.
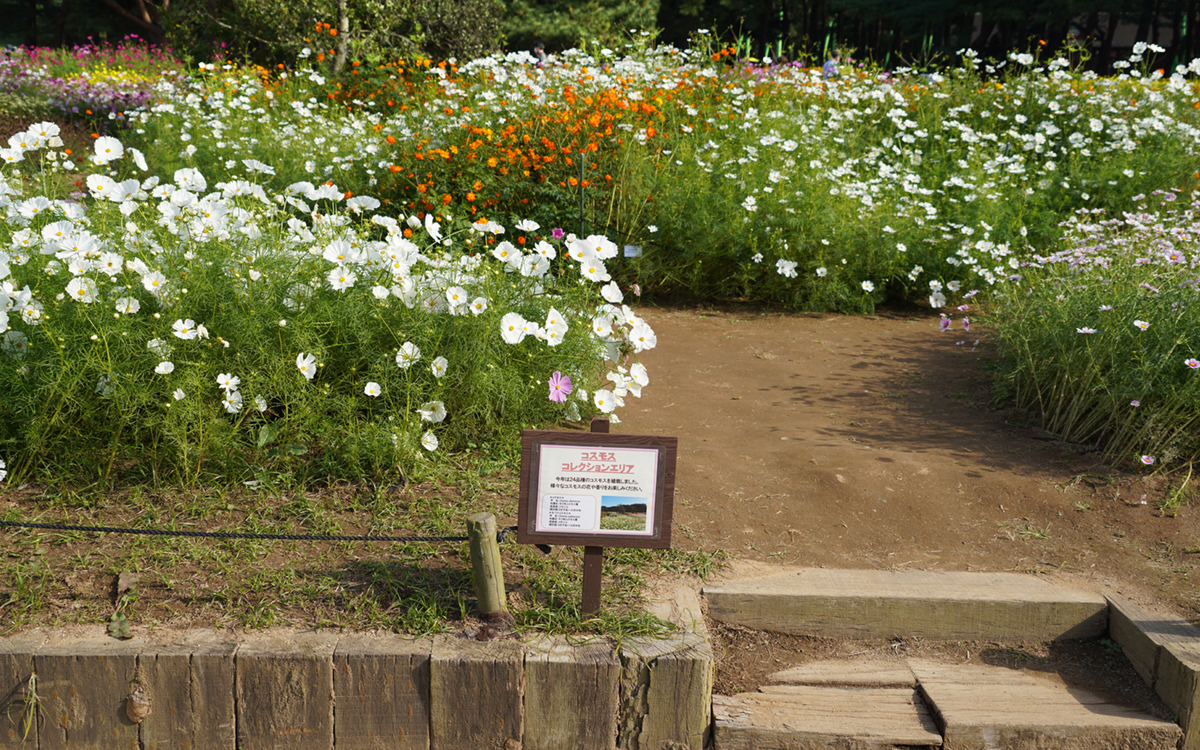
[(583, 489)]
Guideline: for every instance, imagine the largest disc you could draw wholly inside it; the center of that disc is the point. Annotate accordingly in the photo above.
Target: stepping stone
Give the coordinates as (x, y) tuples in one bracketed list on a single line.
[(845, 673), (807, 717), (883, 604), (980, 707)]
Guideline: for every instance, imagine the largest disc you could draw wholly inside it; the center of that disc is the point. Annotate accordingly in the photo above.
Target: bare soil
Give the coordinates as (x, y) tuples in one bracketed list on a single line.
[(878, 442)]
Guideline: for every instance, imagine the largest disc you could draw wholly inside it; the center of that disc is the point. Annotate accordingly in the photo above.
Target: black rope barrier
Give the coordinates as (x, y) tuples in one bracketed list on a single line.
[(500, 536)]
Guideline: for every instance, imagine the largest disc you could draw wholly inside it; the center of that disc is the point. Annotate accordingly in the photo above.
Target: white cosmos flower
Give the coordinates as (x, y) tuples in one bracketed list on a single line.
[(581, 250), (185, 329), (604, 400), (525, 225), (505, 251), (612, 293), (260, 403), (512, 328), (165, 368), (179, 394), (786, 268), (16, 344), (594, 270), (478, 306), (82, 289), (139, 159), (642, 337), (601, 327), (438, 367), (407, 354), (639, 374), (107, 149), (822, 271), (341, 278), (432, 227), (868, 286), (307, 364), (233, 401), (372, 389), (432, 411), (457, 297), (429, 441), (937, 299), (154, 282), (228, 381)]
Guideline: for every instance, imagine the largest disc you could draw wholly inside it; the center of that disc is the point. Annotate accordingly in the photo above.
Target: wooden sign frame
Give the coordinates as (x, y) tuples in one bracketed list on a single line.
[(660, 520)]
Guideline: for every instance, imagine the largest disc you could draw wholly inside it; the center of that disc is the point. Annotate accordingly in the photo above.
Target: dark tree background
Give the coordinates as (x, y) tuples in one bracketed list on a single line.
[(890, 33)]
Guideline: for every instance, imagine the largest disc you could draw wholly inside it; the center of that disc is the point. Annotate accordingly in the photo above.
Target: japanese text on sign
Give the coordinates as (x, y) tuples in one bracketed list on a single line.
[(607, 491)]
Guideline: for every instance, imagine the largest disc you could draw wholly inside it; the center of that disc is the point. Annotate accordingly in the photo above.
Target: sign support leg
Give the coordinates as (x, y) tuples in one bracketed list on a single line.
[(593, 557), (593, 562)]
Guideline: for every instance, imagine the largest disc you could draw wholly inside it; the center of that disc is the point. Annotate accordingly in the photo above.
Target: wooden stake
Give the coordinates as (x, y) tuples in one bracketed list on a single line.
[(485, 565)]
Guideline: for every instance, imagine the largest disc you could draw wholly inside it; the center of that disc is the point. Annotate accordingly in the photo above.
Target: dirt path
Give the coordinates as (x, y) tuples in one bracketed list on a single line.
[(873, 443)]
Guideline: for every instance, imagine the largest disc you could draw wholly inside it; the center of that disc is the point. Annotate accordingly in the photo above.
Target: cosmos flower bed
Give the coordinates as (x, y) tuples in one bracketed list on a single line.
[(1102, 336), (307, 219), (91, 82), (734, 181), (179, 327)]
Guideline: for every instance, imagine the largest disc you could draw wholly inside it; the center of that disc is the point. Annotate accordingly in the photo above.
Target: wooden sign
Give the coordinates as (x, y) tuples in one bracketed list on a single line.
[(596, 489)]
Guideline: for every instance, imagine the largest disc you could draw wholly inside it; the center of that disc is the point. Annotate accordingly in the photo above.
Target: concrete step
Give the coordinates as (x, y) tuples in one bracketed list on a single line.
[(965, 707), (880, 603)]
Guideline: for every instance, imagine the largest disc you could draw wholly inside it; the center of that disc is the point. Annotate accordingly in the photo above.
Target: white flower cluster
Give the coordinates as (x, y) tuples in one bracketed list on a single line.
[(308, 240)]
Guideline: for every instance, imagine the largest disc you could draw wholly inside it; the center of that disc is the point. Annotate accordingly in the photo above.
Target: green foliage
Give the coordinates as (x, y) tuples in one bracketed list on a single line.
[(561, 24), (271, 32), (22, 108)]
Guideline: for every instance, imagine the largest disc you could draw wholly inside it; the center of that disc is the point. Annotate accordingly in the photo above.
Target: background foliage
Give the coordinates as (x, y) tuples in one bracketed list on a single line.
[(273, 31)]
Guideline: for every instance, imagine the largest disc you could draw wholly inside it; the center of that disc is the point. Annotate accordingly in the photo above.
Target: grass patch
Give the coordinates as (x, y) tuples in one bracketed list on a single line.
[(63, 577)]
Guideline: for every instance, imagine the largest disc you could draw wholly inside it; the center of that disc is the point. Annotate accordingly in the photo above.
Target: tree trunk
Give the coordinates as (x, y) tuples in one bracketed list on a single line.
[(153, 33), (60, 27), (343, 19), (1105, 62)]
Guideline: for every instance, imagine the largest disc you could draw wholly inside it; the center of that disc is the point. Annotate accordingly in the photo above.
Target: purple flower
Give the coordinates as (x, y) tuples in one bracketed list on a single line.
[(944, 324), (1135, 403), (560, 387), (1193, 363), (1148, 460), (966, 324), (557, 233)]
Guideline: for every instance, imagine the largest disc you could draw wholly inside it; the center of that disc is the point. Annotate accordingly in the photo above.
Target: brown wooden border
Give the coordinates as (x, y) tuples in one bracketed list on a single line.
[(664, 495)]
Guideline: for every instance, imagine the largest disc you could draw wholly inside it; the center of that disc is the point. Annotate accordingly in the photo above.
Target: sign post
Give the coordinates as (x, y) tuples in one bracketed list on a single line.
[(596, 490)]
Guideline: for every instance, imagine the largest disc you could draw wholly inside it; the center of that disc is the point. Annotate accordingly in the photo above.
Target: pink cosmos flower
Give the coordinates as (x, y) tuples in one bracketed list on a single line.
[(557, 233), (944, 324), (966, 324), (1135, 403), (1148, 460), (1192, 363), (560, 387)]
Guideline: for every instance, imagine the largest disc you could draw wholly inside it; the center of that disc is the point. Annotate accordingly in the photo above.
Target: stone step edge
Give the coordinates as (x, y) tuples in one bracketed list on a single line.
[(933, 604)]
